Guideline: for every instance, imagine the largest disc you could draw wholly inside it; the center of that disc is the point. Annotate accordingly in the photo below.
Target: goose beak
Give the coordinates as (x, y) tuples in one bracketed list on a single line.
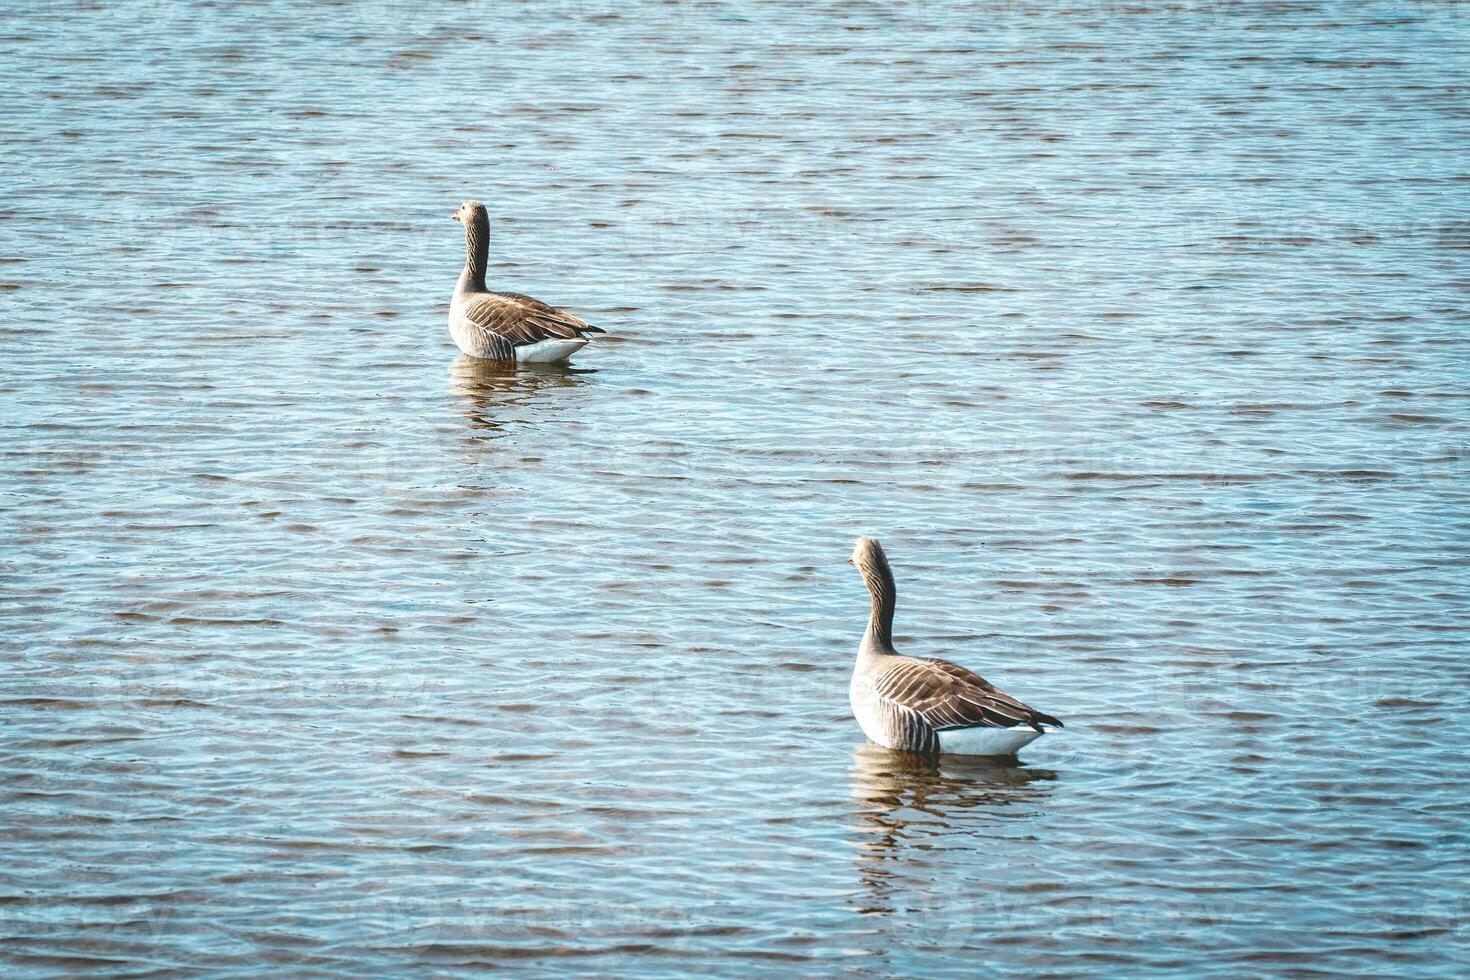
[(849, 561), (455, 216)]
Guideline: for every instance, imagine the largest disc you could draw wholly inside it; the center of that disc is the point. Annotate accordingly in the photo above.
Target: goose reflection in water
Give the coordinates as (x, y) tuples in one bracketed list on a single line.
[(934, 830), (496, 395)]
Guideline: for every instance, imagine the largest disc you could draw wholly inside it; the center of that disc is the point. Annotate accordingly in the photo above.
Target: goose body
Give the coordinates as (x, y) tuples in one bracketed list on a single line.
[(505, 326), (918, 704)]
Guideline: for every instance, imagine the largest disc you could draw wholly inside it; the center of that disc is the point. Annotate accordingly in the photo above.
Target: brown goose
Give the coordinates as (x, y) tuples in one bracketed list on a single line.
[(922, 705), (505, 326)]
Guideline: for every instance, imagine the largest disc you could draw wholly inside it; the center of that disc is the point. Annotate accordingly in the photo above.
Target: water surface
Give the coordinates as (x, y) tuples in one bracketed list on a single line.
[(1137, 332)]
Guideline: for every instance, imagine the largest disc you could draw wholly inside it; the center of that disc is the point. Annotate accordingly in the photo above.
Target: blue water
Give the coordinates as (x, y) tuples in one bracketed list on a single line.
[(1136, 331)]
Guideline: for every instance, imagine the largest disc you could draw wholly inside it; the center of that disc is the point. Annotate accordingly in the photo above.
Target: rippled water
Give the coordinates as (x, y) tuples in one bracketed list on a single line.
[(1137, 331)]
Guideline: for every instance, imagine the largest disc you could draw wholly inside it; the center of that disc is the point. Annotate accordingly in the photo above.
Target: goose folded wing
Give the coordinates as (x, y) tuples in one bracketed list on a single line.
[(521, 319), (948, 696), (562, 316)]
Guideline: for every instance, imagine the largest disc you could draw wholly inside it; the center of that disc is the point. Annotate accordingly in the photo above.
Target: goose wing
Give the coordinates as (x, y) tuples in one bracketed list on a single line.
[(520, 319), (948, 696)]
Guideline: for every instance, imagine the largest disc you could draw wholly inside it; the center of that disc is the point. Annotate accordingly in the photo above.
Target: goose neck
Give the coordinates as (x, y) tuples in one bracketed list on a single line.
[(477, 249), (879, 579)]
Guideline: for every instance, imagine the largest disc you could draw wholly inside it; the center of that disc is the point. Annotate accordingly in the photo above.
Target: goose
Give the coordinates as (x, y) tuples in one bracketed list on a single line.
[(505, 326), (918, 704)]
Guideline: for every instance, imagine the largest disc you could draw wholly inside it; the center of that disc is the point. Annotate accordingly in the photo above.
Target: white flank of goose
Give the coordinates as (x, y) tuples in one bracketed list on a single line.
[(921, 705), (505, 326)]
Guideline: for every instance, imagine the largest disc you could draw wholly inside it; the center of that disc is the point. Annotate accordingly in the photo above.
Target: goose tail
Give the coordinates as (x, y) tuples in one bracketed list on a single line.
[(1040, 718)]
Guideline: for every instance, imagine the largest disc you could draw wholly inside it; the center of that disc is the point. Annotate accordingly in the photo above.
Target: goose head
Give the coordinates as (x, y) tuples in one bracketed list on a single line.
[(872, 564), (867, 552), (470, 210)]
